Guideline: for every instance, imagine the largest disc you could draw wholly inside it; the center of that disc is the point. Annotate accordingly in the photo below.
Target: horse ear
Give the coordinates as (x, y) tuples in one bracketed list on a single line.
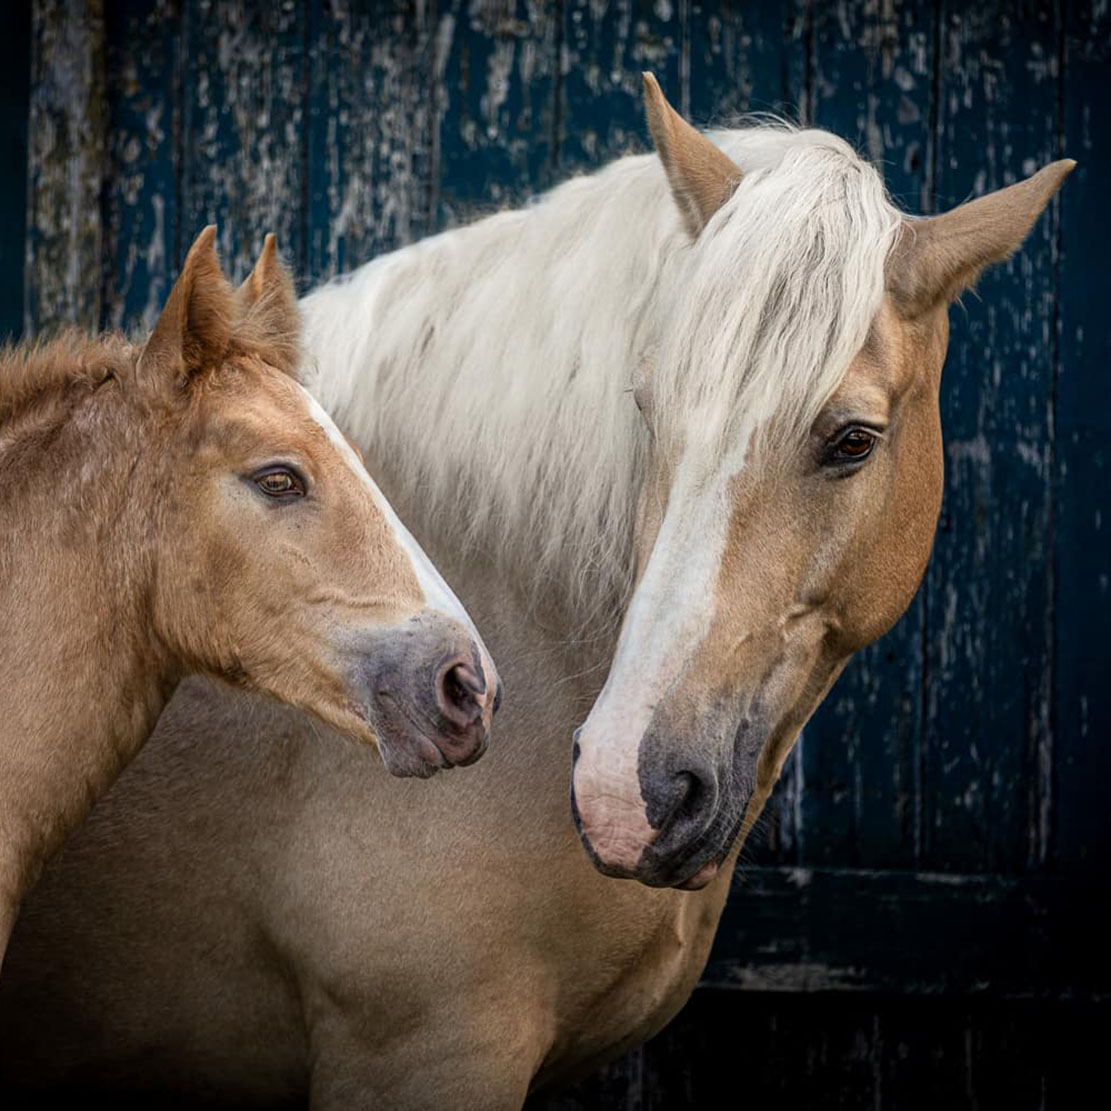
[(702, 178), (194, 328), (935, 259), (270, 323)]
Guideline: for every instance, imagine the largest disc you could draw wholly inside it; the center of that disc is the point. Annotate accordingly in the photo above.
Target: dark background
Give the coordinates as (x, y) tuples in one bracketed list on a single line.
[(924, 921)]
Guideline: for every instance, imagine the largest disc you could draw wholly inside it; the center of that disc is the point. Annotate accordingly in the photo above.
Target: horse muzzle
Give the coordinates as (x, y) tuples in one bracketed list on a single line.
[(432, 693), (674, 823)]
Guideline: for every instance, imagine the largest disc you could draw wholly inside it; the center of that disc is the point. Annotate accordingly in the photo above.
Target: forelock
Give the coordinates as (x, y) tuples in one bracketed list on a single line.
[(778, 293)]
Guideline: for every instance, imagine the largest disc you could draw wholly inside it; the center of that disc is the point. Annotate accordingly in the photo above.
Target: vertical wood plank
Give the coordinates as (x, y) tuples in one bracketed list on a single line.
[(243, 161), (15, 100), (872, 84), (141, 251), (370, 124), (1081, 834), (873, 70), (66, 159), (989, 585), (728, 1050), (745, 58), (607, 46), (496, 73)]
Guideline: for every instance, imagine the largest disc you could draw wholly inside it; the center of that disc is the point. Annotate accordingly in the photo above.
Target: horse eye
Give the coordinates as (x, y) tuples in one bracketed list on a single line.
[(851, 446), (280, 482)]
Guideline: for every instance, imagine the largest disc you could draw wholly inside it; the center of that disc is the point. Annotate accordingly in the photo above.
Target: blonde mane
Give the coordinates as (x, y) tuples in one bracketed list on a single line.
[(489, 370)]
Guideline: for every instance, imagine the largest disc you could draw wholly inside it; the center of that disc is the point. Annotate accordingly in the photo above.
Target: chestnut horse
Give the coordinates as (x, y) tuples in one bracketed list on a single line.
[(186, 506), (691, 405)]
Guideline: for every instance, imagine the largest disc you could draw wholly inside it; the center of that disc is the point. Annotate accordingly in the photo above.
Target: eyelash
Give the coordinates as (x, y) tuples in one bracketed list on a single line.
[(834, 455), (297, 488)]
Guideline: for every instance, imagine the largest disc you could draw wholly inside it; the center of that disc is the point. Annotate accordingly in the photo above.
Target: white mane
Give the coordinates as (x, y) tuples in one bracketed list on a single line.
[(489, 369)]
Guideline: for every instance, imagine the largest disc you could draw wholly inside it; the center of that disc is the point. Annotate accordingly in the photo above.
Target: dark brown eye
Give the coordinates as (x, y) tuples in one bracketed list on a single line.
[(280, 482), (852, 445)]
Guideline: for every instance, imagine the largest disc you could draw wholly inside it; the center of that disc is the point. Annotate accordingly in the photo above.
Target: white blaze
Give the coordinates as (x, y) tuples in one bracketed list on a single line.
[(437, 594), (670, 614)]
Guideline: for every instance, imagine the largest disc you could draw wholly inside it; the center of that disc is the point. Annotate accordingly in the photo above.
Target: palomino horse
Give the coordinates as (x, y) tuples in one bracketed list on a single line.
[(696, 400), (187, 506)]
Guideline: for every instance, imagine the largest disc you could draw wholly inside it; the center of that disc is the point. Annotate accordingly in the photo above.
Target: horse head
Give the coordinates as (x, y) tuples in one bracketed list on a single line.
[(281, 564), (793, 484)]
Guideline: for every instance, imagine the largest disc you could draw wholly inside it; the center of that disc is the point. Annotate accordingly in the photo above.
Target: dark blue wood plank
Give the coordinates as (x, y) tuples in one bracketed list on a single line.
[(493, 80), (370, 130), (744, 57), (141, 248), (728, 1050), (873, 72), (820, 930), (15, 99), (496, 77), (66, 138), (244, 127), (989, 584), (1081, 830), (607, 48), (872, 84)]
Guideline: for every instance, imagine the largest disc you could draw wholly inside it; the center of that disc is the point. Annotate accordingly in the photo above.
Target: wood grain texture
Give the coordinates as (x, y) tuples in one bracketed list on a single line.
[(15, 98), (496, 84), (727, 1052), (66, 143), (989, 586), (244, 127), (912, 933), (742, 57), (607, 47), (873, 67), (142, 245), (1076, 812), (370, 138)]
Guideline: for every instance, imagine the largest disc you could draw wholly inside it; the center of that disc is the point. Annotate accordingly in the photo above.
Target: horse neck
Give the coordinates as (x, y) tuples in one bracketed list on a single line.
[(486, 374), (81, 682)]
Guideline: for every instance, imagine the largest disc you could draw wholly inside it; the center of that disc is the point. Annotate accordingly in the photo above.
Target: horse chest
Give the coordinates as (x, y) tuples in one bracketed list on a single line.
[(633, 992)]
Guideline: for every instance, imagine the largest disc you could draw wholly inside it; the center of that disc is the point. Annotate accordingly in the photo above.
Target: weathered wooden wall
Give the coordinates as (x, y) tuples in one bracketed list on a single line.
[(942, 830), (15, 78)]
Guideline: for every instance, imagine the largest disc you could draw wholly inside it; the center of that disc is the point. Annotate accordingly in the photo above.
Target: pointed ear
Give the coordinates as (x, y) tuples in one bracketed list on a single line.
[(270, 323), (937, 258), (702, 178), (194, 328)]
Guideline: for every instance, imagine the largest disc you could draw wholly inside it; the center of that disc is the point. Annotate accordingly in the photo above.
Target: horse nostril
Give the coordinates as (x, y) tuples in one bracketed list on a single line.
[(460, 695), (681, 807), (686, 798)]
